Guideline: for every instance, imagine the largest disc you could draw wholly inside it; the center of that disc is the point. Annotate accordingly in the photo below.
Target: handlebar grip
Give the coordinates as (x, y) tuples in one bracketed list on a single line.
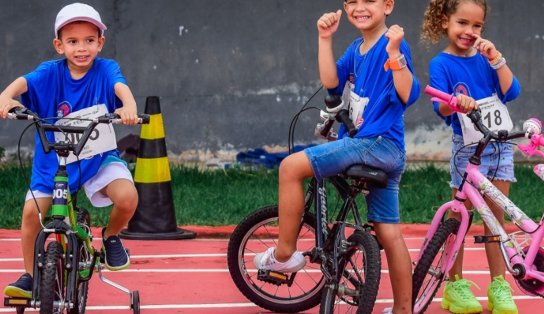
[(116, 119), (440, 96), (144, 118), (21, 113), (343, 117), (334, 103)]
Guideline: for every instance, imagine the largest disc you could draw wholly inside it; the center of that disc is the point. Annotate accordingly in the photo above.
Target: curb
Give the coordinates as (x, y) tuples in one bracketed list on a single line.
[(224, 232), (412, 230)]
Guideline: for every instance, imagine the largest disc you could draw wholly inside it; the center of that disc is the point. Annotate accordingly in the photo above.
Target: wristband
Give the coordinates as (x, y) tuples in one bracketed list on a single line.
[(499, 64), (497, 59), (395, 65)]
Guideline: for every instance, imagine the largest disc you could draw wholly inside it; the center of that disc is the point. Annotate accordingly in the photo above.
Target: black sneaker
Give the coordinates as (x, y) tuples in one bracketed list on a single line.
[(115, 255), (22, 288)]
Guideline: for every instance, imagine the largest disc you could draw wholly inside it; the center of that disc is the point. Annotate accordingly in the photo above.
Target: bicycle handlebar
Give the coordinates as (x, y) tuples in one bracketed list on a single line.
[(21, 113), (336, 111), (474, 115)]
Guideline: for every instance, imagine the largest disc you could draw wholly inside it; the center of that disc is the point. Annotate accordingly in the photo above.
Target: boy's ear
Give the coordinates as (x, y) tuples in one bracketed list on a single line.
[(389, 5), (57, 44), (101, 42)]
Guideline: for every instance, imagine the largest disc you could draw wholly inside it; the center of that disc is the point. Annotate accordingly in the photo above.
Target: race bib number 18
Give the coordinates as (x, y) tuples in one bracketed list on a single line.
[(495, 116), (102, 138)]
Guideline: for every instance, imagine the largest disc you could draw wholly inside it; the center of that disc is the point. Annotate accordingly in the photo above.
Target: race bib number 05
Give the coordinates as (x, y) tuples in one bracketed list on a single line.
[(495, 116), (102, 138)]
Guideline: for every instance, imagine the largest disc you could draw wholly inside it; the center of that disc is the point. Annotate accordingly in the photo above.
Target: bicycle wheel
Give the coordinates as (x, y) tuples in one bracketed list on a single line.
[(52, 289), (85, 258), (255, 234), (357, 288), (430, 269)]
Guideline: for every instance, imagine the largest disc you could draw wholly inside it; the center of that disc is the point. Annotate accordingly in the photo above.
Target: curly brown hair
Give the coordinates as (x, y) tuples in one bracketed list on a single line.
[(437, 11)]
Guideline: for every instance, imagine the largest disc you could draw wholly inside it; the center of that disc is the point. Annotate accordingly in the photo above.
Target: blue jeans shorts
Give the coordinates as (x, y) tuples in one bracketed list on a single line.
[(497, 161), (332, 158)]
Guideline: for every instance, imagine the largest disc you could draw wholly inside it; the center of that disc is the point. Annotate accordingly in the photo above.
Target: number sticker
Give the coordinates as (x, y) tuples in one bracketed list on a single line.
[(101, 140), (495, 117)]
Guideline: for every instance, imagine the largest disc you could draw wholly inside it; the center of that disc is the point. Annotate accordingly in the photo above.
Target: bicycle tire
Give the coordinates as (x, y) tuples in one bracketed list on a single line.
[(255, 234), (52, 288), (357, 288), (80, 303), (430, 269)]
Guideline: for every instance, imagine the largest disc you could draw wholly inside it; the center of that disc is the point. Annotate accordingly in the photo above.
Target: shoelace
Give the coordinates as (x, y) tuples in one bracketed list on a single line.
[(462, 287), (502, 292), (269, 258)]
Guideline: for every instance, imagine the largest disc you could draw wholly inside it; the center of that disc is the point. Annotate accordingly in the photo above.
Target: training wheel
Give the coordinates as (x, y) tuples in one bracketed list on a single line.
[(135, 301)]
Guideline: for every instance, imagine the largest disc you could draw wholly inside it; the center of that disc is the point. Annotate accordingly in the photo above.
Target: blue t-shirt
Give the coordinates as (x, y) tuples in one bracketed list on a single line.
[(472, 76), (53, 93), (383, 115)]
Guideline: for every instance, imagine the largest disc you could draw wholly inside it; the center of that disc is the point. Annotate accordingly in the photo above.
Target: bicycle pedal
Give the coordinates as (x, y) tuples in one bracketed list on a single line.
[(8, 301), (487, 239), (273, 277)]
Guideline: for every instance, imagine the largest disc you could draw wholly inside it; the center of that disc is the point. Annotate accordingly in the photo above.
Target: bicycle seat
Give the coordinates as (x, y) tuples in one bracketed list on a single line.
[(372, 176)]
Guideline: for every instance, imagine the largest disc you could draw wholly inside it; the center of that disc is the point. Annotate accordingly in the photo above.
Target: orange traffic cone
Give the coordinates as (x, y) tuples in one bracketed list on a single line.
[(155, 217)]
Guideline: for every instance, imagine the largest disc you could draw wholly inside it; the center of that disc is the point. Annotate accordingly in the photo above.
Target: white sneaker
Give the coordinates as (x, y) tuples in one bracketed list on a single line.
[(388, 310), (267, 261)]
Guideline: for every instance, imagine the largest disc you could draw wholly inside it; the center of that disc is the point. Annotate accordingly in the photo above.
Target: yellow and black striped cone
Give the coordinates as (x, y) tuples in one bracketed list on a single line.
[(155, 217)]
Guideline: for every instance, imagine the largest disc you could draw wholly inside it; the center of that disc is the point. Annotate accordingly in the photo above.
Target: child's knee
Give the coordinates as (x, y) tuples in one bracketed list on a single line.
[(295, 167), (389, 235), (127, 204)]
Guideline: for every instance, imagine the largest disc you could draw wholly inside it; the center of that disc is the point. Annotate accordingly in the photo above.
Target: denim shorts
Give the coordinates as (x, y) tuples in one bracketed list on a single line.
[(332, 158), (497, 161)]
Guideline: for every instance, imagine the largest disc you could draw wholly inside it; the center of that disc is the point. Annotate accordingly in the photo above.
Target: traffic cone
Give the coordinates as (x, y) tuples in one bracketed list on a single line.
[(155, 217)]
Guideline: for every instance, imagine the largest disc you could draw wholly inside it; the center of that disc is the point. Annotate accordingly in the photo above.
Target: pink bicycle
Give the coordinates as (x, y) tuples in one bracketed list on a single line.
[(523, 256)]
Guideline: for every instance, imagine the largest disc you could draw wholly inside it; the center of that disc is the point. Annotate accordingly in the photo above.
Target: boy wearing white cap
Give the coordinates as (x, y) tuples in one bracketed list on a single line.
[(72, 87)]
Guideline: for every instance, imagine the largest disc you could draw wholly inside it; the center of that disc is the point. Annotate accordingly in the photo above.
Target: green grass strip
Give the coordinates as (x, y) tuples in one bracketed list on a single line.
[(224, 197)]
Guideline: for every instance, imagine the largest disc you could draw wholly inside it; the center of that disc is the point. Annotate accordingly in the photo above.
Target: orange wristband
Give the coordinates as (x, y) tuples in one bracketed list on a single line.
[(395, 65)]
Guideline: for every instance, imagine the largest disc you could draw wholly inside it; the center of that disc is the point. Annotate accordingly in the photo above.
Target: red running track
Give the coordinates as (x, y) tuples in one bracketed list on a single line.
[(191, 276)]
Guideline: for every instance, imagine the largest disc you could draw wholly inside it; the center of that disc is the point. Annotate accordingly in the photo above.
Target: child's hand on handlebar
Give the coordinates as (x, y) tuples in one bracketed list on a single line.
[(466, 103), (6, 104), (128, 116)]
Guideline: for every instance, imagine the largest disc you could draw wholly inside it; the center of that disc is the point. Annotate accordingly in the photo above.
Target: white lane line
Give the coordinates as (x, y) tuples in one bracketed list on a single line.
[(219, 270), (226, 305), (197, 255)]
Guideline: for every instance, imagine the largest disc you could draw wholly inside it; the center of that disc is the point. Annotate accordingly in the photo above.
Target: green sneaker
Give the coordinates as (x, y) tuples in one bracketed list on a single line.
[(459, 299), (499, 295)]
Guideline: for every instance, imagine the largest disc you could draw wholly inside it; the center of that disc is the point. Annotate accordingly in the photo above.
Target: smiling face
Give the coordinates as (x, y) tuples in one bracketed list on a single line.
[(80, 43), (462, 25), (368, 15)]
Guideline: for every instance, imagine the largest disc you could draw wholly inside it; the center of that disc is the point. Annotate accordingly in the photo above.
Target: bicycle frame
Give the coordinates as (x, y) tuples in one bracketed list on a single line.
[(67, 232), (324, 241), (475, 183), (519, 262)]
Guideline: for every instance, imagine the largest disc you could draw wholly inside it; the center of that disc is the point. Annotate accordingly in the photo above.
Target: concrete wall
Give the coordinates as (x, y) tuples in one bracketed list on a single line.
[(231, 74)]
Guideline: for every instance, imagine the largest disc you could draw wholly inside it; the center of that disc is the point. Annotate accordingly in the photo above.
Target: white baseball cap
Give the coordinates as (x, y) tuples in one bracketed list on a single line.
[(78, 12)]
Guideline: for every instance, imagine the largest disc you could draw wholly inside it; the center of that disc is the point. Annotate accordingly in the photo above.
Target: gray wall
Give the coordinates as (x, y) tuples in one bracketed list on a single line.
[(232, 73)]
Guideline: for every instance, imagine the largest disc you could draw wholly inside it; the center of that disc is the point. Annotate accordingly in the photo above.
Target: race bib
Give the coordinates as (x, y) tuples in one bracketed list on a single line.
[(495, 116), (102, 138), (356, 104)]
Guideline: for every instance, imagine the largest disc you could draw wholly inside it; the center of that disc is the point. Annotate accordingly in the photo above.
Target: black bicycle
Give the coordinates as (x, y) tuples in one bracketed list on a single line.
[(343, 272), (64, 258)]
